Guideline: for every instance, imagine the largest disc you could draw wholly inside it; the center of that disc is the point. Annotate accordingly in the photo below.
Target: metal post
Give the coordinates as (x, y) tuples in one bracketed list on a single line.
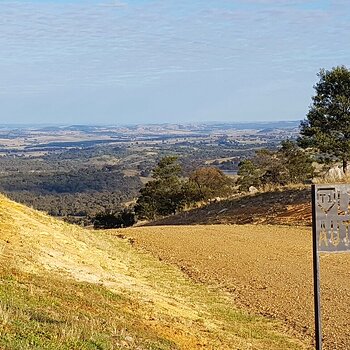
[(316, 268)]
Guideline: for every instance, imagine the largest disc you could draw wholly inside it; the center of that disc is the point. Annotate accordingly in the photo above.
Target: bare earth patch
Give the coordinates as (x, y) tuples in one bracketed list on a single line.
[(267, 269)]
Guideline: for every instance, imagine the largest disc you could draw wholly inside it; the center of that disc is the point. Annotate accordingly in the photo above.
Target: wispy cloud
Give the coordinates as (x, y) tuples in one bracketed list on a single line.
[(48, 46)]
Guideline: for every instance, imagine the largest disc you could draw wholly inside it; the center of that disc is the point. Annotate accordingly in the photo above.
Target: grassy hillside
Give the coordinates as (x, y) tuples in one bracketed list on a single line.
[(62, 287)]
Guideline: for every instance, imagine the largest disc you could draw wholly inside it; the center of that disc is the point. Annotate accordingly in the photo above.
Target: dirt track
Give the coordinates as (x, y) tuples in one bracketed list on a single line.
[(267, 269)]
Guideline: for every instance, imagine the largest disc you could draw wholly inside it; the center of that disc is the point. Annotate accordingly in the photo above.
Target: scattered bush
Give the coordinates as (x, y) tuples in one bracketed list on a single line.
[(109, 220), (168, 193)]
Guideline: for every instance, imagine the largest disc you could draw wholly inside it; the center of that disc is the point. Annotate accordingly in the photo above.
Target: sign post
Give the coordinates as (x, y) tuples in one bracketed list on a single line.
[(316, 270), (330, 234)]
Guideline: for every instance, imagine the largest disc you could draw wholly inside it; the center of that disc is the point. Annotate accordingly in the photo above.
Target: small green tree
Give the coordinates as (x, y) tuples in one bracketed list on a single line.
[(296, 161), (127, 217), (167, 169), (165, 194), (271, 169), (290, 164), (327, 124), (249, 175)]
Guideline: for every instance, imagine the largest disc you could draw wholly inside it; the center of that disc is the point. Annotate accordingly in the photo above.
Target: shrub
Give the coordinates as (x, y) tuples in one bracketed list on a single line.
[(109, 220)]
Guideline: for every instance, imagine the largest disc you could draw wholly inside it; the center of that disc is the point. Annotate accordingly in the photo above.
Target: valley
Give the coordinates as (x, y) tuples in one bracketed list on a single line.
[(74, 172)]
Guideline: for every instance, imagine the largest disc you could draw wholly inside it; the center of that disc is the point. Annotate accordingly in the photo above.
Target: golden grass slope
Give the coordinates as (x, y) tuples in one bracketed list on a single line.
[(63, 287)]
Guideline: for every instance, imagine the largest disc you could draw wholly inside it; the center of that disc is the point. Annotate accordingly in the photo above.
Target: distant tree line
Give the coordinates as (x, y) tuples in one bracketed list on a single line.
[(74, 181), (76, 195)]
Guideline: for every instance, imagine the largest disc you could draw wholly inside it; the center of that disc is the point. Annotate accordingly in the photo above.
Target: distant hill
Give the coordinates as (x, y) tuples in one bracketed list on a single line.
[(285, 207)]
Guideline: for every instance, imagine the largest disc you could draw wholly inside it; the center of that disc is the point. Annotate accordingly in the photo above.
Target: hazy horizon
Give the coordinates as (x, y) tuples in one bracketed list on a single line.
[(149, 62), (205, 122)]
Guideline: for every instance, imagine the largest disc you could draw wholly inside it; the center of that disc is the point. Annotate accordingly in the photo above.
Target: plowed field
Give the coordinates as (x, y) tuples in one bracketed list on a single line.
[(267, 269)]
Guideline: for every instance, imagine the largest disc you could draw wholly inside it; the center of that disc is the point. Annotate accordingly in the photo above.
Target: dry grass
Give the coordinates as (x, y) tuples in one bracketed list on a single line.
[(334, 180), (62, 287), (282, 188)]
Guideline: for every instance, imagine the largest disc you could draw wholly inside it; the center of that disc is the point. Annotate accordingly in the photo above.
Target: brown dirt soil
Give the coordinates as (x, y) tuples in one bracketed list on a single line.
[(285, 207), (267, 269)]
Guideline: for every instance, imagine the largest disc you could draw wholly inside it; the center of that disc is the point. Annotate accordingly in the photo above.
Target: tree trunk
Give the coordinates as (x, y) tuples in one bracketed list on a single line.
[(345, 166)]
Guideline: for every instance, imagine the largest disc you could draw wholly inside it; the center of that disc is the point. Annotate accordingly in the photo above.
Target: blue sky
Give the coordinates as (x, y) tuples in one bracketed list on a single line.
[(141, 61)]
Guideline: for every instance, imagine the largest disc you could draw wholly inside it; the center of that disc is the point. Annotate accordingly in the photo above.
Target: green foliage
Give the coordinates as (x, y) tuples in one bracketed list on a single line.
[(165, 194), (327, 124), (168, 193), (249, 175), (290, 164), (191, 193), (270, 167), (75, 194), (210, 182), (167, 169), (298, 163), (108, 220)]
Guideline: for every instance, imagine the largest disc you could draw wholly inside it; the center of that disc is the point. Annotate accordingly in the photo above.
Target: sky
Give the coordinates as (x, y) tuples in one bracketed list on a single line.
[(140, 61)]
